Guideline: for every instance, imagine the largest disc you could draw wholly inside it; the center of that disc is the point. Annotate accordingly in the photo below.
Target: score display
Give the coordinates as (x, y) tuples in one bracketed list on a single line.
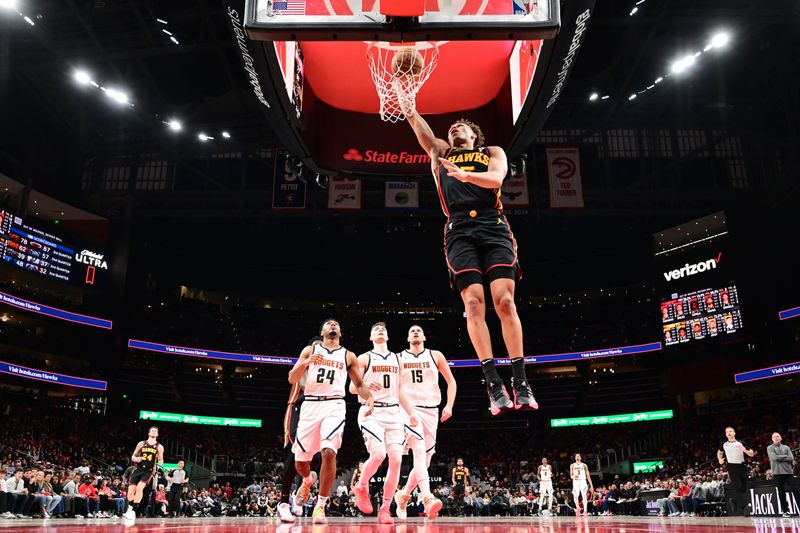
[(32, 249), (701, 314)]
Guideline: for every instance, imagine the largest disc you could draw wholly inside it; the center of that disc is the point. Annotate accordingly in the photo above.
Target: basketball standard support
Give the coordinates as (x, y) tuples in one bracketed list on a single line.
[(322, 104), (403, 8)]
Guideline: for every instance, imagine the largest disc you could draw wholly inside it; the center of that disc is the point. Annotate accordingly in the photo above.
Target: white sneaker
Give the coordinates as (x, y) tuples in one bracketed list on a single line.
[(45, 514), (285, 512), (130, 514), (401, 500), (78, 516), (297, 510)]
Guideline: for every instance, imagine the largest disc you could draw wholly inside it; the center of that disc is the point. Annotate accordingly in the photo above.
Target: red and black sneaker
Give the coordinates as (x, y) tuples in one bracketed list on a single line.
[(523, 397), (499, 401)]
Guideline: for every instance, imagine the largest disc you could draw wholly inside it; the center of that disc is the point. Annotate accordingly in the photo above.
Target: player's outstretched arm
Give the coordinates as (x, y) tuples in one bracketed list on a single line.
[(447, 374), (491, 179), (356, 374), (432, 145), (303, 362)]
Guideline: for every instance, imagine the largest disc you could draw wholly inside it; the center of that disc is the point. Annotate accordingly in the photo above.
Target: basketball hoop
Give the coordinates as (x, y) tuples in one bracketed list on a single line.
[(398, 84)]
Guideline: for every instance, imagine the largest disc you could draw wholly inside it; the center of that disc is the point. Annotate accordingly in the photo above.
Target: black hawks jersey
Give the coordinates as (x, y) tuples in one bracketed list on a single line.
[(149, 454), (456, 196)]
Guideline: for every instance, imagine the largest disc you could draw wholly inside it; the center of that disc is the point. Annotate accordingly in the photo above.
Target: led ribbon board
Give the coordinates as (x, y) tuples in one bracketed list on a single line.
[(457, 363), (51, 377), (647, 467), (648, 416), (766, 373), (789, 313), (156, 416), (54, 312)]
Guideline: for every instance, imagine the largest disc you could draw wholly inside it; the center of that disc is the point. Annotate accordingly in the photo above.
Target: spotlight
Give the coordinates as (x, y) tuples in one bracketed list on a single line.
[(82, 77), (720, 39), (632, 97), (118, 96), (226, 134), (203, 137), (593, 97), (658, 80), (633, 11), (682, 64), (9, 4), (174, 125)]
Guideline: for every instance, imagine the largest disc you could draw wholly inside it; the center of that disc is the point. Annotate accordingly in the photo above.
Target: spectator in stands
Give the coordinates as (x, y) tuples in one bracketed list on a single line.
[(692, 501), (17, 494), (75, 503), (47, 490), (161, 501), (341, 489), (4, 512), (88, 489)]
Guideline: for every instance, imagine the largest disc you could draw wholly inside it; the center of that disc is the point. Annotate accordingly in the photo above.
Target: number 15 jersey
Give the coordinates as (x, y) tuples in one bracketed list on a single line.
[(421, 378), (328, 378)]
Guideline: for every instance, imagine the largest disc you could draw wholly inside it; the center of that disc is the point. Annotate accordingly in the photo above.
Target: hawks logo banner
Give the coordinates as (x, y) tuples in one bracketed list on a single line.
[(344, 194), (566, 184), (289, 191), (515, 190), (402, 195)]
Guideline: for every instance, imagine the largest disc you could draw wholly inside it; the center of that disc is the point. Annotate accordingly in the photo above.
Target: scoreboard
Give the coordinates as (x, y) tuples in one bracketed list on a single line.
[(30, 248)]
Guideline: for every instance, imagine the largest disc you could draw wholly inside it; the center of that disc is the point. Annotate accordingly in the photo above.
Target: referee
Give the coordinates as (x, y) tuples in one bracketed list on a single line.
[(177, 479), (733, 451)]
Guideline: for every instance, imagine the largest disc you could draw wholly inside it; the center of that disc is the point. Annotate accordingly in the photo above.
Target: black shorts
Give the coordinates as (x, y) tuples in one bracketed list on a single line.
[(480, 248), (458, 490), (290, 420), (143, 475)]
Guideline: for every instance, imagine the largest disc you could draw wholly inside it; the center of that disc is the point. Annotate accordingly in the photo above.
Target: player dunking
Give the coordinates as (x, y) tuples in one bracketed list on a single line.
[(290, 420), (147, 456), (545, 474), (581, 481), (325, 367), (479, 247), (384, 431), (421, 369)]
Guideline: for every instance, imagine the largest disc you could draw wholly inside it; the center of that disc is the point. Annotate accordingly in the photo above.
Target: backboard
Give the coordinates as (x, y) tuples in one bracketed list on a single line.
[(500, 63), (377, 20)]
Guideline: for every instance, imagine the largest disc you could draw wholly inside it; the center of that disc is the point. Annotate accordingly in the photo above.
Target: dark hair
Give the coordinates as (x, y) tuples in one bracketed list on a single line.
[(151, 427), (417, 325), (376, 324), (321, 326), (477, 129)]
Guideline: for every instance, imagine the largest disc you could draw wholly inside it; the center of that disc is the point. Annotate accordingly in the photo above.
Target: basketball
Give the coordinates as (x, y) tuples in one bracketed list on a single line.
[(407, 61)]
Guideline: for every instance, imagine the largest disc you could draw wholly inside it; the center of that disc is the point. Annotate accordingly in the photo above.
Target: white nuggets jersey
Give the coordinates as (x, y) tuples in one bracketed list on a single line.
[(385, 371), (421, 378), (327, 379), (545, 473), (580, 471)]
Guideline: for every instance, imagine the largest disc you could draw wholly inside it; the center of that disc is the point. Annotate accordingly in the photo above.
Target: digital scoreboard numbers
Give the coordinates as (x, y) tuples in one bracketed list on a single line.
[(43, 253)]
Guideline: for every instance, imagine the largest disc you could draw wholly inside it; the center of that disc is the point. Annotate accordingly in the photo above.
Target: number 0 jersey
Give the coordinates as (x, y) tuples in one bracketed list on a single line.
[(385, 371), (328, 378), (421, 378)]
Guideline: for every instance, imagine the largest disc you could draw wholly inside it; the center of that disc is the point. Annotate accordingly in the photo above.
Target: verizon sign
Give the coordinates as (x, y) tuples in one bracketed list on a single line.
[(692, 269)]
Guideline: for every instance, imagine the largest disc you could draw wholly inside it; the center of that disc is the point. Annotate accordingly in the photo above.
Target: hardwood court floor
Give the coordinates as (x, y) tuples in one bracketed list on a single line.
[(612, 524)]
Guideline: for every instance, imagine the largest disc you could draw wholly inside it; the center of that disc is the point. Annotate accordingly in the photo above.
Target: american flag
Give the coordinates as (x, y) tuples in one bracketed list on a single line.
[(289, 7)]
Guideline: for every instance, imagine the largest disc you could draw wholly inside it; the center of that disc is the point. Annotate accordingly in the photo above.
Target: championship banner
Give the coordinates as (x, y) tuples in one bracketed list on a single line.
[(515, 190), (344, 194), (402, 194), (289, 191), (566, 184)]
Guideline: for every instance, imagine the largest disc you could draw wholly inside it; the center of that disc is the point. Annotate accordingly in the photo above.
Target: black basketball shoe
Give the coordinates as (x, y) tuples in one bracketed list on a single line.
[(499, 401), (523, 396)]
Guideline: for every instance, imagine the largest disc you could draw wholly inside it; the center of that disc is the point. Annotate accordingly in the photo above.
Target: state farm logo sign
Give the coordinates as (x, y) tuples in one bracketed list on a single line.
[(386, 156), (691, 269)]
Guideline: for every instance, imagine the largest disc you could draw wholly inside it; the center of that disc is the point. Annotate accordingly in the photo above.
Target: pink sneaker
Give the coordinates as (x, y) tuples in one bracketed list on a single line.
[(362, 498), (384, 516)]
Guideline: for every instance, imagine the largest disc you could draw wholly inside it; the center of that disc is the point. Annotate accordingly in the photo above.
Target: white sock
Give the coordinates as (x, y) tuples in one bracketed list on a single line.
[(321, 501)]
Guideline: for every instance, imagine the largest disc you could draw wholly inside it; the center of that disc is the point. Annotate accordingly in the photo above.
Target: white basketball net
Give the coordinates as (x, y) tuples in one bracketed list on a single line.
[(397, 91)]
